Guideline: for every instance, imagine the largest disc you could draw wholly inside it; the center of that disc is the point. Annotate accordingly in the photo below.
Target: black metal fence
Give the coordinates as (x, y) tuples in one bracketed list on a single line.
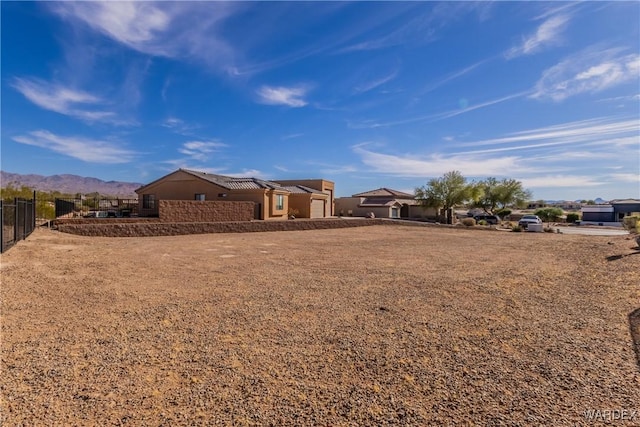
[(96, 208), (18, 221)]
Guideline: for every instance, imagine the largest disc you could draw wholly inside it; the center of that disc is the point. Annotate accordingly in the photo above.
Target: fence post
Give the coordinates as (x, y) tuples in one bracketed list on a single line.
[(1, 226), (16, 220), (33, 211)]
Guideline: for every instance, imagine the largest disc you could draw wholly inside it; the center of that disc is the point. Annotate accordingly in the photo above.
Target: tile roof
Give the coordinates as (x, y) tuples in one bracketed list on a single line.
[(385, 192), (625, 201), (301, 189), (234, 183), (378, 202)]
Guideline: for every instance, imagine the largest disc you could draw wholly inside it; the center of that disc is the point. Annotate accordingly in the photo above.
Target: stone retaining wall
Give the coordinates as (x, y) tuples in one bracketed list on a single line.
[(205, 211), (160, 228)]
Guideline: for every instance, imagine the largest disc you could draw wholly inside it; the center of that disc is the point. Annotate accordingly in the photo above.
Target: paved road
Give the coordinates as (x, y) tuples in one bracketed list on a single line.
[(592, 231)]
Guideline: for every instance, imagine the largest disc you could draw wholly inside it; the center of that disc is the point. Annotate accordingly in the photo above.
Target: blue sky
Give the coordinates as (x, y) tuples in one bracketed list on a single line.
[(366, 94)]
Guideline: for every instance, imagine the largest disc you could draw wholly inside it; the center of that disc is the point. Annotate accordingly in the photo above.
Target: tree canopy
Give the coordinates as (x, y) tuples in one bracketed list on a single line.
[(492, 194), (445, 192), (453, 189), (549, 214)]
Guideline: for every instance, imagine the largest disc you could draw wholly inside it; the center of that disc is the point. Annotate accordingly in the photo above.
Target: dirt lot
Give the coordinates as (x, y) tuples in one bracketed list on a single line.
[(380, 325)]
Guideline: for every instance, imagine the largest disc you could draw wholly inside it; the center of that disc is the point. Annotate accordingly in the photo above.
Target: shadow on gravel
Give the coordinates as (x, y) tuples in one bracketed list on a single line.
[(634, 328), (617, 257)]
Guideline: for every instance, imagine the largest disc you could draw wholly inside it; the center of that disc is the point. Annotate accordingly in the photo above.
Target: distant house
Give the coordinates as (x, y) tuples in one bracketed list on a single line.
[(537, 204), (567, 205), (615, 211), (598, 213), (383, 203), (272, 200)]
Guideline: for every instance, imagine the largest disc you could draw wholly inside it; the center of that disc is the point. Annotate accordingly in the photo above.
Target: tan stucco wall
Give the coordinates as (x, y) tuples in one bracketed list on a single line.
[(278, 213), (421, 212), (205, 211), (323, 185), (344, 204), (302, 203), (184, 186)]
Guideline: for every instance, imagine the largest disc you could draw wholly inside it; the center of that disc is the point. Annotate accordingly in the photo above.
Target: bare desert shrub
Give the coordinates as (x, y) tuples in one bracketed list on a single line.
[(469, 222), (631, 223)]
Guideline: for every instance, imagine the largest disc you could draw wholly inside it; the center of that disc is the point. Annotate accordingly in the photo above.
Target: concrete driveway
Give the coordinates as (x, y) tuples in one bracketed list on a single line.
[(592, 231)]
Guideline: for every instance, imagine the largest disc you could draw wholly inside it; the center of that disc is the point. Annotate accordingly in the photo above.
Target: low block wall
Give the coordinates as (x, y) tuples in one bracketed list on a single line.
[(205, 211), (161, 228)]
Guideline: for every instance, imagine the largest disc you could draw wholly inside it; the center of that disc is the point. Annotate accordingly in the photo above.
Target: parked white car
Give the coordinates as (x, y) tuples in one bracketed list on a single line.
[(529, 219)]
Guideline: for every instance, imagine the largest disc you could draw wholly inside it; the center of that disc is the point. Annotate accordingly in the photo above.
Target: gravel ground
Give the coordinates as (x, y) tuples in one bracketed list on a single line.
[(380, 325)]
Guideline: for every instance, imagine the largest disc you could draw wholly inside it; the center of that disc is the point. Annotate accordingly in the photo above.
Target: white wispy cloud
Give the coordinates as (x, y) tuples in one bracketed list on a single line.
[(338, 170), (489, 103), (179, 126), (555, 9), (63, 100), (279, 95), (555, 181), (200, 150), (135, 24), (167, 29), (612, 130), (635, 97), (590, 71), (452, 76), (421, 27), (85, 149), (372, 124), (412, 165), (627, 177), (548, 33), (370, 85)]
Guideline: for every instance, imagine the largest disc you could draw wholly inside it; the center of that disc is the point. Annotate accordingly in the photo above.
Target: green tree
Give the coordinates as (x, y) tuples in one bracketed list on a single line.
[(503, 212), (549, 214), (10, 192), (445, 192), (572, 217), (45, 208), (493, 194)]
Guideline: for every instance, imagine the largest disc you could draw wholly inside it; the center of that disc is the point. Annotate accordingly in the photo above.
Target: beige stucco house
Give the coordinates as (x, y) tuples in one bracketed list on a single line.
[(383, 203), (272, 199), (319, 207)]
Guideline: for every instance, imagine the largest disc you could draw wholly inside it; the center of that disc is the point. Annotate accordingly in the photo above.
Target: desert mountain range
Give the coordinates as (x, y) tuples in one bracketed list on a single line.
[(71, 184)]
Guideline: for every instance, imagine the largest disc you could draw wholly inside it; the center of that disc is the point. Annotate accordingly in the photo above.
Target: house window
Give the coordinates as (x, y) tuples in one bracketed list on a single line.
[(148, 201), (200, 197), (279, 202)]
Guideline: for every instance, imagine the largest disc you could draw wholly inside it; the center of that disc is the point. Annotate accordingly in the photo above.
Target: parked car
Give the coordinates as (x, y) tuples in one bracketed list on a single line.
[(529, 219), (490, 219)]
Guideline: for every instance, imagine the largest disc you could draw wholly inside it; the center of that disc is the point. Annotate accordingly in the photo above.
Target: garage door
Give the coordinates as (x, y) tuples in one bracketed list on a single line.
[(317, 208)]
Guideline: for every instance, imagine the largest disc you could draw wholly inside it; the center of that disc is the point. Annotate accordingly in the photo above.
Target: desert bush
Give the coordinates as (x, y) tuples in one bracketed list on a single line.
[(502, 213), (516, 228), (482, 222), (469, 222), (549, 214), (631, 223), (572, 217)]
